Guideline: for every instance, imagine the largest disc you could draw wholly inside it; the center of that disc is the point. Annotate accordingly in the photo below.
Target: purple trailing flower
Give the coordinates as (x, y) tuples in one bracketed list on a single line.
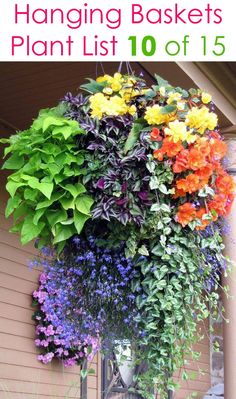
[(82, 298), (212, 249)]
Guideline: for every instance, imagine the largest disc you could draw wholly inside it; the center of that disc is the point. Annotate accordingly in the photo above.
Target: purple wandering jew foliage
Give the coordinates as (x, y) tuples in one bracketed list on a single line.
[(82, 298), (119, 183)]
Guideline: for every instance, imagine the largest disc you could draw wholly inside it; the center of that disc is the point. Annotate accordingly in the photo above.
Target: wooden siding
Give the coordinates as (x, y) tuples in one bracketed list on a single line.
[(200, 369)]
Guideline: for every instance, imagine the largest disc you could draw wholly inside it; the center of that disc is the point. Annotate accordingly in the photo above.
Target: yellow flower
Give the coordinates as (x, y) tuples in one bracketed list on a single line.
[(131, 81), (126, 94), (180, 105), (116, 85), (132, 110), (108, 91), (177, 131), (116, 106), (110, 106), (98, 104), (173, 97), (201, 119), (115, 82), (105, 78), (154, 116), (162, 91), (118, 76), (206, 97), (130, 92)]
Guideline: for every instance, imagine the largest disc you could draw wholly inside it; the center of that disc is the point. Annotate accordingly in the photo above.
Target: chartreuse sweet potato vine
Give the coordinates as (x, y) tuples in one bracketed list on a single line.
[(48, 200), (142, 166)]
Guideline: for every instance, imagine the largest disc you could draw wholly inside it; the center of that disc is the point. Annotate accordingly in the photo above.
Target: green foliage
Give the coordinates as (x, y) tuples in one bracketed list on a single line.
[(168, 109), (93, 87), (169, 288), (48, 200), (133, 137), (171, 301), (162, 82)]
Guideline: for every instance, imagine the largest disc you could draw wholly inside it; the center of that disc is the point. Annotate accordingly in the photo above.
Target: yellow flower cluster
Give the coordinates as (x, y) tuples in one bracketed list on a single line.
[(116, 96), (201, 119), (123, 85), (154, 115), (177, 131), (113, 82), (116, 99), (110, 106)]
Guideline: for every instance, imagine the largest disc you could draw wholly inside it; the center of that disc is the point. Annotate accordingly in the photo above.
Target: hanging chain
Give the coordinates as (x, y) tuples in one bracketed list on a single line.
[(101, 66), (129, 70)]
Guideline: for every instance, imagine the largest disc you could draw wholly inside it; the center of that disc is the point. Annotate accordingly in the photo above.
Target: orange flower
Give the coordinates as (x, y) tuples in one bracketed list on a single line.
[(181, 162), (159, 154), (218, 149), (179, 193), (169, 148), (204, 222), (203, 146), (220, 204), (186, 214), (190, 184), (196, 159), (225, 184), (205, 173), (155, 134)]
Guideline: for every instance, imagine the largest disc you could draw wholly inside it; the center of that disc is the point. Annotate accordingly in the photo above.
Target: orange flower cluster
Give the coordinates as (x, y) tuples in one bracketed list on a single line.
[(169, 148), (199, 166), (222, 200), (187, 213)]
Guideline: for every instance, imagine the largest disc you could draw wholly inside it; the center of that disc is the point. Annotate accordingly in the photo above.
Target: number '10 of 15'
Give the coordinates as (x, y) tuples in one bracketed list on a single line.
[(148, 46)]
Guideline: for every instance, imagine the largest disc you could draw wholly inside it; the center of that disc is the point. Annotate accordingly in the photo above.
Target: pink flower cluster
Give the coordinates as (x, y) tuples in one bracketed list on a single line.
[(53, 339)]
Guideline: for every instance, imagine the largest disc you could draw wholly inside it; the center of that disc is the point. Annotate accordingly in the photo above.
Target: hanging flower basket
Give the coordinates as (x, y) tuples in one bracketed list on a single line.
[(125, 193)]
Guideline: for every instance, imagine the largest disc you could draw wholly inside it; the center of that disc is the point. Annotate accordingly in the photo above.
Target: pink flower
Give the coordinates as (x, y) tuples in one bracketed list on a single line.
[(59, 351), (69, 362), (46, 358), (43, 278), (50, 330)]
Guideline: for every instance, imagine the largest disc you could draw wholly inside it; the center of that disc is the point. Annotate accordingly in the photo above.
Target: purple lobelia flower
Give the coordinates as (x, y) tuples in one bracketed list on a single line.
[(83, 297)]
